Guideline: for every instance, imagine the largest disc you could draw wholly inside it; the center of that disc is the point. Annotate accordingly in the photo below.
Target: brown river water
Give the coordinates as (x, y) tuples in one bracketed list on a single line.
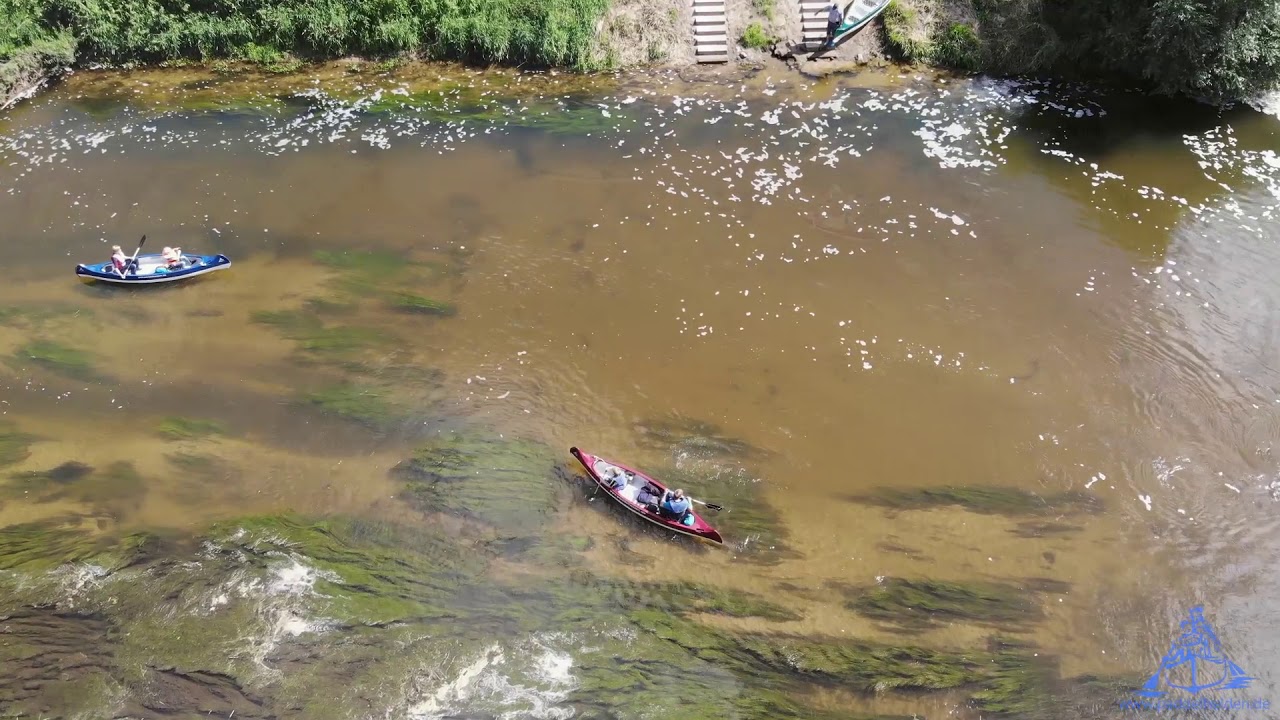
[(879, 282)]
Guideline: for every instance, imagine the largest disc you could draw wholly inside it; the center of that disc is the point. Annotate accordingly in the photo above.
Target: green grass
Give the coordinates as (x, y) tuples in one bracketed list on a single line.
[(958, 47), (903, 32), (272, 32), (755, 37)]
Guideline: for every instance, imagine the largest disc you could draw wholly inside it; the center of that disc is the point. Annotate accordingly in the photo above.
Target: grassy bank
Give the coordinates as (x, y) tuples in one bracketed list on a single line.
[(38, 35), (1212, 49)]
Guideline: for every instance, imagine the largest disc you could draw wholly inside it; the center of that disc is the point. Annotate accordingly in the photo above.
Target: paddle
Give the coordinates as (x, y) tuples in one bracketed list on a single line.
[(133, 259), (710, 506)]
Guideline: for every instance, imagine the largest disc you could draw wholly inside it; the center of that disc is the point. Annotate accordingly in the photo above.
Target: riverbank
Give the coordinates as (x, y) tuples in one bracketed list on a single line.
[(1216, 56)]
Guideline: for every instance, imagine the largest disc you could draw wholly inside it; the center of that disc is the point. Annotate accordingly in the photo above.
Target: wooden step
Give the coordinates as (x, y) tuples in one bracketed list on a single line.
[(710, 28), (713, 58), (711, 21), (720, 38), (712, 49), (717, 9)]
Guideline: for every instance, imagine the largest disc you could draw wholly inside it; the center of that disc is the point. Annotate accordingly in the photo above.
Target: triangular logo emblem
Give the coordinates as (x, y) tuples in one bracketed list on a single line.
[(1195, 662)]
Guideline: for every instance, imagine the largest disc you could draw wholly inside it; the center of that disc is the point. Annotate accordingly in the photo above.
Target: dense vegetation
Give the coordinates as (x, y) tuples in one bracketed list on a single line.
[(1212, 49), (534, 32)]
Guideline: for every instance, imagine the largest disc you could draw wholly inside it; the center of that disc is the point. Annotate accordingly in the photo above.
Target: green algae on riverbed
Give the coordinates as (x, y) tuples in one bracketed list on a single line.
[(986, 500), (418, 305), (41, 546), (431, 93), (507, 484), (319, 615), (56, 358), (318, 340), (33, 317), (360, 403), (922, 604), (184, 428), (14, 444)]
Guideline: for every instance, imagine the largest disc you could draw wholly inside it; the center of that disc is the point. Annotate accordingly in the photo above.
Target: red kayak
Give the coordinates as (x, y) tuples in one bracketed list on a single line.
[(632, 487)]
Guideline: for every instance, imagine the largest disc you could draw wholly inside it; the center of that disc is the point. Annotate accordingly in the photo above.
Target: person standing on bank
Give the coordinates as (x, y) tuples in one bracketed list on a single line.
[(834, 18)]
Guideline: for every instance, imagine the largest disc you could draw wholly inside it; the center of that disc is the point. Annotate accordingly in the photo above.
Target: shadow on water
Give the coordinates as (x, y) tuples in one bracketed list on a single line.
[(99, 290), (1104, 153), (1132, 121)]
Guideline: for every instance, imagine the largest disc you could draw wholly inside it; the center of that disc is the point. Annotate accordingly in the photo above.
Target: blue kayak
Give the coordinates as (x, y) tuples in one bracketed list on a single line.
[(151, 269)]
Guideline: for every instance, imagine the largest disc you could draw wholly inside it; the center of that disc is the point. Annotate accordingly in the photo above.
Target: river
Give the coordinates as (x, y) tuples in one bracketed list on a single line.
[(983, 372)]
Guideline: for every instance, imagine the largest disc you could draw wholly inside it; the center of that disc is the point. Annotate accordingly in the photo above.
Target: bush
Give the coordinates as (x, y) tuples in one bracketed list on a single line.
[(958, 47), (755, 37), (1212, 49), (904, 34), (535, 32)]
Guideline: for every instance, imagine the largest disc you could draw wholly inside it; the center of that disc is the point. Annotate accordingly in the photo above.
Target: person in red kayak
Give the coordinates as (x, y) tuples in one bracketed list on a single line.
[(676, 506)]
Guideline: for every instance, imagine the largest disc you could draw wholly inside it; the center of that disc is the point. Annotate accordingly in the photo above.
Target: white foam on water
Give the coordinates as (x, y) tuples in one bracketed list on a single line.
[(297, 578), (1269, 104), (532, 683)]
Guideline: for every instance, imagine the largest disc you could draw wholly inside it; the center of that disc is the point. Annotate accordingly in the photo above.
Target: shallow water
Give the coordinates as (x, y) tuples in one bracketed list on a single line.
[(898, 282)]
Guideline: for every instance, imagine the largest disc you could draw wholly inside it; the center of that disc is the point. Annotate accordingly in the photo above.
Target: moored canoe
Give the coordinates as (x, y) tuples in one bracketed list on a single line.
[(626, 489), (151, 269)]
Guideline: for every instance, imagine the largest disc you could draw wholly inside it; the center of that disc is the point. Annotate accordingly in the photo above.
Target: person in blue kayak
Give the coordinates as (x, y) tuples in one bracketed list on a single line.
[(834, 18), (676, 506), (118, 259), (172, 257)]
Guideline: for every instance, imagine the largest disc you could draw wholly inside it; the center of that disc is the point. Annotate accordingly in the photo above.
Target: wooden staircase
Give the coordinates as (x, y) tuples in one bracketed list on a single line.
[(813, 23), (711, 31)]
